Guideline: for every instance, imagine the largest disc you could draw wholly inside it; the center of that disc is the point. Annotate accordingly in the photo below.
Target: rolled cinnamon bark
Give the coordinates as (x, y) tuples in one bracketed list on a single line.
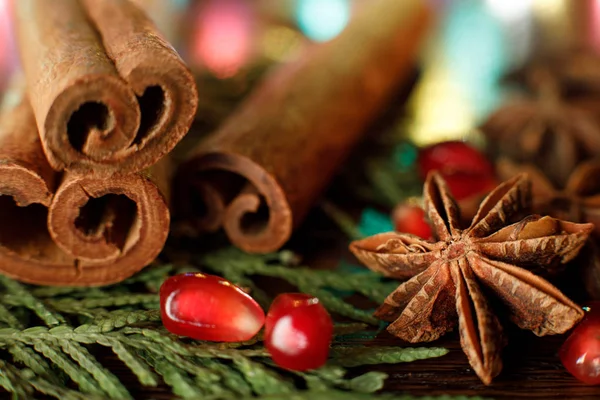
[(72, 229), (258, 175), (108, 92)]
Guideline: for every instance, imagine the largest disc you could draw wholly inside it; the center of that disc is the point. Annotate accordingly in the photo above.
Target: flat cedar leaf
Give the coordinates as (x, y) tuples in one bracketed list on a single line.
[(131, 360), (33, 361), (72, 305), (352, 356), (263, 381), (9, 318), (231, 378), (75, 372), (26, 299), (105, 379), (368, 383), (112, 320), (173, 376), (11, 381)]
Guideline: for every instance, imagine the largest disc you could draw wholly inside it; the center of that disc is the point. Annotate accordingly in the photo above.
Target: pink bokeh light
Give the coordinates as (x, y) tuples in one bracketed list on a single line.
[(222, 36)]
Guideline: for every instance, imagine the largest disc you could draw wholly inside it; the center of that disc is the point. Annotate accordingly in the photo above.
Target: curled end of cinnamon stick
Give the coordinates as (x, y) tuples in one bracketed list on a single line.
[(230, 191), (90, 122), (95, 232), (108, 92), (112, 227)]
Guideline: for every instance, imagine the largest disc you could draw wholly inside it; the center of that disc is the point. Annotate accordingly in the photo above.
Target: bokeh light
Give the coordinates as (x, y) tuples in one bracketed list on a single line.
[(8, 57), (322, 20), (223, 36)]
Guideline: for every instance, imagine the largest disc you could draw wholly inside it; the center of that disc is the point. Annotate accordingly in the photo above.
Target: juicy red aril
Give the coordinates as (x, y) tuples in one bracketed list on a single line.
[(410, 218), (464, 185), (208, 307), (580, 354), (453, 156), (298, 332)]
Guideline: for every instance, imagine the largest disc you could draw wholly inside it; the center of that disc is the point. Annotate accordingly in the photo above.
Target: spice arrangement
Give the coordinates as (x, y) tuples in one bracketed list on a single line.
[(459, 243), (78, 135)]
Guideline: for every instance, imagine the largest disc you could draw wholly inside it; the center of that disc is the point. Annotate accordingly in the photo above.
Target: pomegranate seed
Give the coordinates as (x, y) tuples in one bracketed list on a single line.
[(298, 332), (453, 156), (580, 354), (208, 307), (464, 185), (409, 218)]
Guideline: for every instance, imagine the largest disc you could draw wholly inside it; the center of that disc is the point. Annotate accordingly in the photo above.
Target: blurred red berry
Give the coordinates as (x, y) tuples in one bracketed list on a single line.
[(464, 185), (298, 332), (409, 218), (208, 307), (580, 354), (452, 157)]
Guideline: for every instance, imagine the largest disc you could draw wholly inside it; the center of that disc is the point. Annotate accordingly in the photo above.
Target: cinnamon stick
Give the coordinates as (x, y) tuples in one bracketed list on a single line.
[(108, 92), (258, 175), (71, 229)]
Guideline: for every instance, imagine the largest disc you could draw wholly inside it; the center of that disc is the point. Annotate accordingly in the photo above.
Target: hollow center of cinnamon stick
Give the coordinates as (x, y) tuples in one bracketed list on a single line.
[(252, 223), (152, 106), (91, 120), (111, 217), (24, 231)]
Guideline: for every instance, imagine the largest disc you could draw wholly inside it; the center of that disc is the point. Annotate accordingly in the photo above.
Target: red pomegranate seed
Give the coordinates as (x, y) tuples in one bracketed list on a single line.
[(464, 185), (298, 332), (453, 156), (208, 307), (580, 354), (409, 218)]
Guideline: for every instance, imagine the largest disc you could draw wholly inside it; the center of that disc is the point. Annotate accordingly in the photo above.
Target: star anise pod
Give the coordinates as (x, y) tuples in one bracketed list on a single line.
[(578, 201), (447, 275), (576, 72), (546, 130)]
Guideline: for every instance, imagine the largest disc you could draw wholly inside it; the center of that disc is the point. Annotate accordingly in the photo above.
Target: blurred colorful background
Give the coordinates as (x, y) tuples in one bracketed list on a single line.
[(474, 43)]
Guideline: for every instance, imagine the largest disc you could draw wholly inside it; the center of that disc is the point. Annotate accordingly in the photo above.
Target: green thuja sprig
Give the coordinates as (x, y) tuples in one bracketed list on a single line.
[(233, 264), (49, 337)]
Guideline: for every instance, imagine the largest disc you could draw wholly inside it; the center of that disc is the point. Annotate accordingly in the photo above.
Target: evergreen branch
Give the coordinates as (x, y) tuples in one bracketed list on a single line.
[(60, 392), (104, 378), (78, 375), (70, 305), (32, 360), (173, 376), (9, 318), (195, 369), (109, 321), (352, 356), (136, 364), (231, 378), (263, 381), (25, 298), (367, 383), (11, 382)]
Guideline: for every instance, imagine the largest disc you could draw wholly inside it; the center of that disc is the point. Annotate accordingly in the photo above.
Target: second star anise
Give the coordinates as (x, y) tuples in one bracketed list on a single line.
[(447, 275)]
